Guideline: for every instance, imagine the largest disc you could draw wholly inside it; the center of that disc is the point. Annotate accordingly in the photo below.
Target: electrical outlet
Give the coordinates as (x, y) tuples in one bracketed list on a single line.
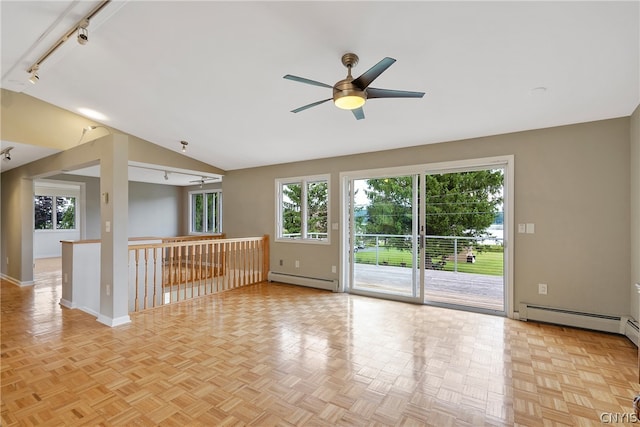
[(333, 268), (108, 290), (297, 264), (542, 288), (281, 263)]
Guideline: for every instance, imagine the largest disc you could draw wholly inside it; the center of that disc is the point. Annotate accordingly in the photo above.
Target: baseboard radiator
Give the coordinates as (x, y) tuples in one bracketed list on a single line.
[(310, 282), (597, 322)]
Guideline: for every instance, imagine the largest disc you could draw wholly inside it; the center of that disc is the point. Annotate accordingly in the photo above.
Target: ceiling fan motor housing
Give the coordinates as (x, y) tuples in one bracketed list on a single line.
[(348, 96)]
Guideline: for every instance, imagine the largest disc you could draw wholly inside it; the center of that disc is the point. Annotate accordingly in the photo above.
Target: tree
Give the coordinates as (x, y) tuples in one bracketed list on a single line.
[(66, 217), (461, 204), (43, 209), (316, 208), (389, 210)]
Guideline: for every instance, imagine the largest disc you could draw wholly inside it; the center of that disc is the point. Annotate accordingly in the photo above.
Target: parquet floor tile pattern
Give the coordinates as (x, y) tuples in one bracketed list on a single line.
[(281, 355)]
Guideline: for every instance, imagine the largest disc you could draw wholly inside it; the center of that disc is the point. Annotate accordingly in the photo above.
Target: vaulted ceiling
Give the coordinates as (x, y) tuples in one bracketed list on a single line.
[(211, 72)]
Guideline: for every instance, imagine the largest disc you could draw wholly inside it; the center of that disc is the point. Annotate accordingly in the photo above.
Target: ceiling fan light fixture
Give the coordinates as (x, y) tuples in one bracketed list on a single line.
[(349, 101)]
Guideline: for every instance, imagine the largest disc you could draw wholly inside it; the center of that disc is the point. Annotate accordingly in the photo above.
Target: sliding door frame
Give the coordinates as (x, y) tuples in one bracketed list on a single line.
[(346, 213)]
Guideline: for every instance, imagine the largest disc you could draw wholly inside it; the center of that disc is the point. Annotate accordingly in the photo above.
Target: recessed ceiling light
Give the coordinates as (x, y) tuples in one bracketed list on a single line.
[(93, 114)]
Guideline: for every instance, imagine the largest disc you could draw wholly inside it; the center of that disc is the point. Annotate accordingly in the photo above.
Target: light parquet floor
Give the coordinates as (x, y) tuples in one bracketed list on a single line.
[(281, 355)]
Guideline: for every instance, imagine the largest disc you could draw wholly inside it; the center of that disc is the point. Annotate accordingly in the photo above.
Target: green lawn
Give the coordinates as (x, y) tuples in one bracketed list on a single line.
[(487, 262)]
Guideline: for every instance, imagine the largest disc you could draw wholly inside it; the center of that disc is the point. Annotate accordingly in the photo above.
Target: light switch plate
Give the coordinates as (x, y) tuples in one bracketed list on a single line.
[(531, 228)]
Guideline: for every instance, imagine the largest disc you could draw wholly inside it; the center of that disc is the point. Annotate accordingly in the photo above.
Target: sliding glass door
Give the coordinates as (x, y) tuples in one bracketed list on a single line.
[(432, 235), (384, 237), (464, 244)]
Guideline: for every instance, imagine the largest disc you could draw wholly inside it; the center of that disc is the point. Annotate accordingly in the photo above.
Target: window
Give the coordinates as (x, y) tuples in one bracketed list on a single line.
[(303, 209), (205, 211), (64, 208)]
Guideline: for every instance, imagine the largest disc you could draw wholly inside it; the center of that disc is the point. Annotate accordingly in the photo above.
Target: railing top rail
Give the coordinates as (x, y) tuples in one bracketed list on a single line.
[(431, 236), (195, 243)]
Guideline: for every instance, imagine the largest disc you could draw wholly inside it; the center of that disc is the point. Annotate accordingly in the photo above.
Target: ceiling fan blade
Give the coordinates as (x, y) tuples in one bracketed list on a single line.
[(372, 73), (307, 81), (373, 92), (313, 104), (358, 113)]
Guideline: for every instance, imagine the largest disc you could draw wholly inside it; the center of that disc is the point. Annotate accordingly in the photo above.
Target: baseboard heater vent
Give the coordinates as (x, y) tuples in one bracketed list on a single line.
[(632, 331), (597, 322), (310, 282)]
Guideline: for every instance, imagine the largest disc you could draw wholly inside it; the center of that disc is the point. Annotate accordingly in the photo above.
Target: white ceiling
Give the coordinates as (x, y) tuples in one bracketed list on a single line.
[(210, 72)]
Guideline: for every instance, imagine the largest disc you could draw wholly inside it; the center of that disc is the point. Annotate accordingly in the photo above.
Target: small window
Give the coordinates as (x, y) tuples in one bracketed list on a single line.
[(206, 212), (65, 213), (303, 209)]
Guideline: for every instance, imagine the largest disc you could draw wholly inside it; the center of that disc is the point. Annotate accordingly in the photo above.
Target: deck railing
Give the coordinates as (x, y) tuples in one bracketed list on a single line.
[(170, 272), (449, 253)]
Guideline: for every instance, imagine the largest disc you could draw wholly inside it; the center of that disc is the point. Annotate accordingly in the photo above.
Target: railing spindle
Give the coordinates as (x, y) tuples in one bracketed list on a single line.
[(146, 278), (155, 270), (137, 255)]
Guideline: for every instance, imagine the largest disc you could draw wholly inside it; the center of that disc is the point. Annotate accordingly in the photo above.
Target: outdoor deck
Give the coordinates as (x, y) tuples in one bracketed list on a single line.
[(471, 290)]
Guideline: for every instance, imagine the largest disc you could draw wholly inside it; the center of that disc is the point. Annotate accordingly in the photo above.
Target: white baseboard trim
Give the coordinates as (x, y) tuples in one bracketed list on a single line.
[(67, 304), (16, 281), (113, 322)]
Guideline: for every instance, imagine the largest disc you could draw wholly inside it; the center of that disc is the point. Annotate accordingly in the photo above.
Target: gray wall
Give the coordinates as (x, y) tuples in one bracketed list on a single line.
[(573, 182), (154, 210)]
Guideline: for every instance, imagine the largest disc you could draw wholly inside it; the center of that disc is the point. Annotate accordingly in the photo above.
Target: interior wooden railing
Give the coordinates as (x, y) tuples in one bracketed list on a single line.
[(193, 238), (174, 271)]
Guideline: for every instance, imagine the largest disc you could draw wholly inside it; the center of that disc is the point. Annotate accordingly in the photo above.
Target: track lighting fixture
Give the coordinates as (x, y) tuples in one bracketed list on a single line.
[(83, 38), (184, 146), (83, 33), (93, 127), (6, 153), (34, 78), (89, 129)]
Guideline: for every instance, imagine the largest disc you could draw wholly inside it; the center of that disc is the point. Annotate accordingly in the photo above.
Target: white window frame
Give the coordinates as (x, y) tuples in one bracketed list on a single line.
[(303, 181), (205, 213), (56, 192)]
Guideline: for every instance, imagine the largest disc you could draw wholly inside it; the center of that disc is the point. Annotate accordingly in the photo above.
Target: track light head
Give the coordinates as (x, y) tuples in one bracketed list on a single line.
[(184, 146), (83, 36), (34, 77), (83, 33), (6, 153), (166, 176)]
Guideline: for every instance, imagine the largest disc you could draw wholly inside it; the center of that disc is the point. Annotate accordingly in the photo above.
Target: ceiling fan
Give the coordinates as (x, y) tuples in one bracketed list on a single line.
[(350, 93)]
